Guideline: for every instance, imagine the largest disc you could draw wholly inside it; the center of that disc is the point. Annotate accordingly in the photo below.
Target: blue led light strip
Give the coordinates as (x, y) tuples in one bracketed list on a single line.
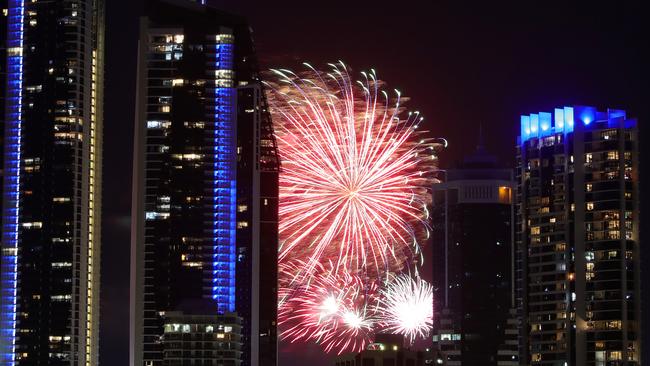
[(224, 179), (11, 194)]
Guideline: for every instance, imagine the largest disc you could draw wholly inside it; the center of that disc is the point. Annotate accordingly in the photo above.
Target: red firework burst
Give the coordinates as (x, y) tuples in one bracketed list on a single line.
[(336, 310), (354, 190)]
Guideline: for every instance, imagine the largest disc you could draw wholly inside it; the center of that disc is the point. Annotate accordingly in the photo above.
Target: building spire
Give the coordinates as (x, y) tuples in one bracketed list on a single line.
[(481, 144)]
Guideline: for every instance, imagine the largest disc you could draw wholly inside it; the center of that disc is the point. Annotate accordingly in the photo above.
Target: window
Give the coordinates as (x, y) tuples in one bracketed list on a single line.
[(612, 155), (608, 134), (590, 206), (614, 355), (589, 187)]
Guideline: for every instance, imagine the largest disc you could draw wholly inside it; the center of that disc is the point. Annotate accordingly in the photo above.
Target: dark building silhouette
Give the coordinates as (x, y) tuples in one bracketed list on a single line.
[(205, 194), (52, 81), (578, 270), (387, 349), (472, 262)]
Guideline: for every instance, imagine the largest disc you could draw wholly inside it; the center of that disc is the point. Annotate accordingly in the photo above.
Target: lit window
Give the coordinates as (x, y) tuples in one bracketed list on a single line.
[(612, 155), (179, 38), (590, 206), (590, 187)]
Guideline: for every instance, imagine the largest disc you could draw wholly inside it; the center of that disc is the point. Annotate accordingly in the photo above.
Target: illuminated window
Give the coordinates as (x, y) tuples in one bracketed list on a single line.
[(589, 158), (590, 206), (612, 155), (589, 187), (614, 355)]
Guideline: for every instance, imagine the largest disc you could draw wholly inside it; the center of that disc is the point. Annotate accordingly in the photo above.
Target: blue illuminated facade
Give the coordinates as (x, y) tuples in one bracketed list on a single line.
[(563, 121), (205, 189), (51, 193), (225, 178), (577, 253), (11, 184)]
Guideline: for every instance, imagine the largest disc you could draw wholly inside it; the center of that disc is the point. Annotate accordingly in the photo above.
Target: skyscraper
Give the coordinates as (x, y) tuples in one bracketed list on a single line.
[(205, 194), (577, 257), (473, 220), (51, 202)]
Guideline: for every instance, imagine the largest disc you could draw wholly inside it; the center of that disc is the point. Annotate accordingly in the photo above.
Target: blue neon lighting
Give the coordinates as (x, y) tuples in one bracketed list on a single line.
[(562, 121), (11, 195), (224, 182), (559, 120)]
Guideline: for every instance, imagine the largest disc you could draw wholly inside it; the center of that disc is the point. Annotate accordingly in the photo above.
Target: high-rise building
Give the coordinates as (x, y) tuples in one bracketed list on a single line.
[(472, 235), (205, 192), (577, 238), (51, 191)]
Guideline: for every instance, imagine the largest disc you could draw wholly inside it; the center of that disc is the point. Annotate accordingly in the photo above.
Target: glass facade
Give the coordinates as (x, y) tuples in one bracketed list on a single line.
[(472, 262), (52, 182), (205, 181), (577, 259)]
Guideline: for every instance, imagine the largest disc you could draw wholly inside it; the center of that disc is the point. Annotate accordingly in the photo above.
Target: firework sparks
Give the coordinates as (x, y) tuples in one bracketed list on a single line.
[(334, 310), (354, 190), (354, 182), (406, 306)]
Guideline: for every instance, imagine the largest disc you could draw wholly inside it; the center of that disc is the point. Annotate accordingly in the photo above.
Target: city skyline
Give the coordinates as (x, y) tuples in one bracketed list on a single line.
[(466, 67)]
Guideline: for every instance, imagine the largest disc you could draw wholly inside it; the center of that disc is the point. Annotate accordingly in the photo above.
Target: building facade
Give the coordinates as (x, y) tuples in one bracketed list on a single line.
[(473, 221), (51, 201), (205, 192), (201, 340), (387, 349), (578, 273)]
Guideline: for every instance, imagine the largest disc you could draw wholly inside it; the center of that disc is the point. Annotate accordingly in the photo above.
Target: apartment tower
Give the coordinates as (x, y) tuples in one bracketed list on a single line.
[(577, 260), (205, 192), (51, 190)]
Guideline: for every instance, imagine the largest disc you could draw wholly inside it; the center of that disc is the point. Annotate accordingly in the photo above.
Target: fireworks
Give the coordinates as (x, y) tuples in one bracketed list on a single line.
[(354, 190), (335, 310), (406, 306)]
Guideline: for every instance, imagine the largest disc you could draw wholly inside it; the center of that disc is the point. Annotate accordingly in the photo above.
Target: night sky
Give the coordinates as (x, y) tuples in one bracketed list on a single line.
[(463, 66)]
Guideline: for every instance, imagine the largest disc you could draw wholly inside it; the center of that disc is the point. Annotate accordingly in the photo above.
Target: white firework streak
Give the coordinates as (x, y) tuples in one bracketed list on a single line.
[(406, 306)]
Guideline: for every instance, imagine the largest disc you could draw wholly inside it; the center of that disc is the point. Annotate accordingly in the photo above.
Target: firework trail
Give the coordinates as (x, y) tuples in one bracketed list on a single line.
[(354, 189)]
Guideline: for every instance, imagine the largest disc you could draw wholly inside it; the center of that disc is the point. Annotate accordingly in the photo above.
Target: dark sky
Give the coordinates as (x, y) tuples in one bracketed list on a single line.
[(462, 64)]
